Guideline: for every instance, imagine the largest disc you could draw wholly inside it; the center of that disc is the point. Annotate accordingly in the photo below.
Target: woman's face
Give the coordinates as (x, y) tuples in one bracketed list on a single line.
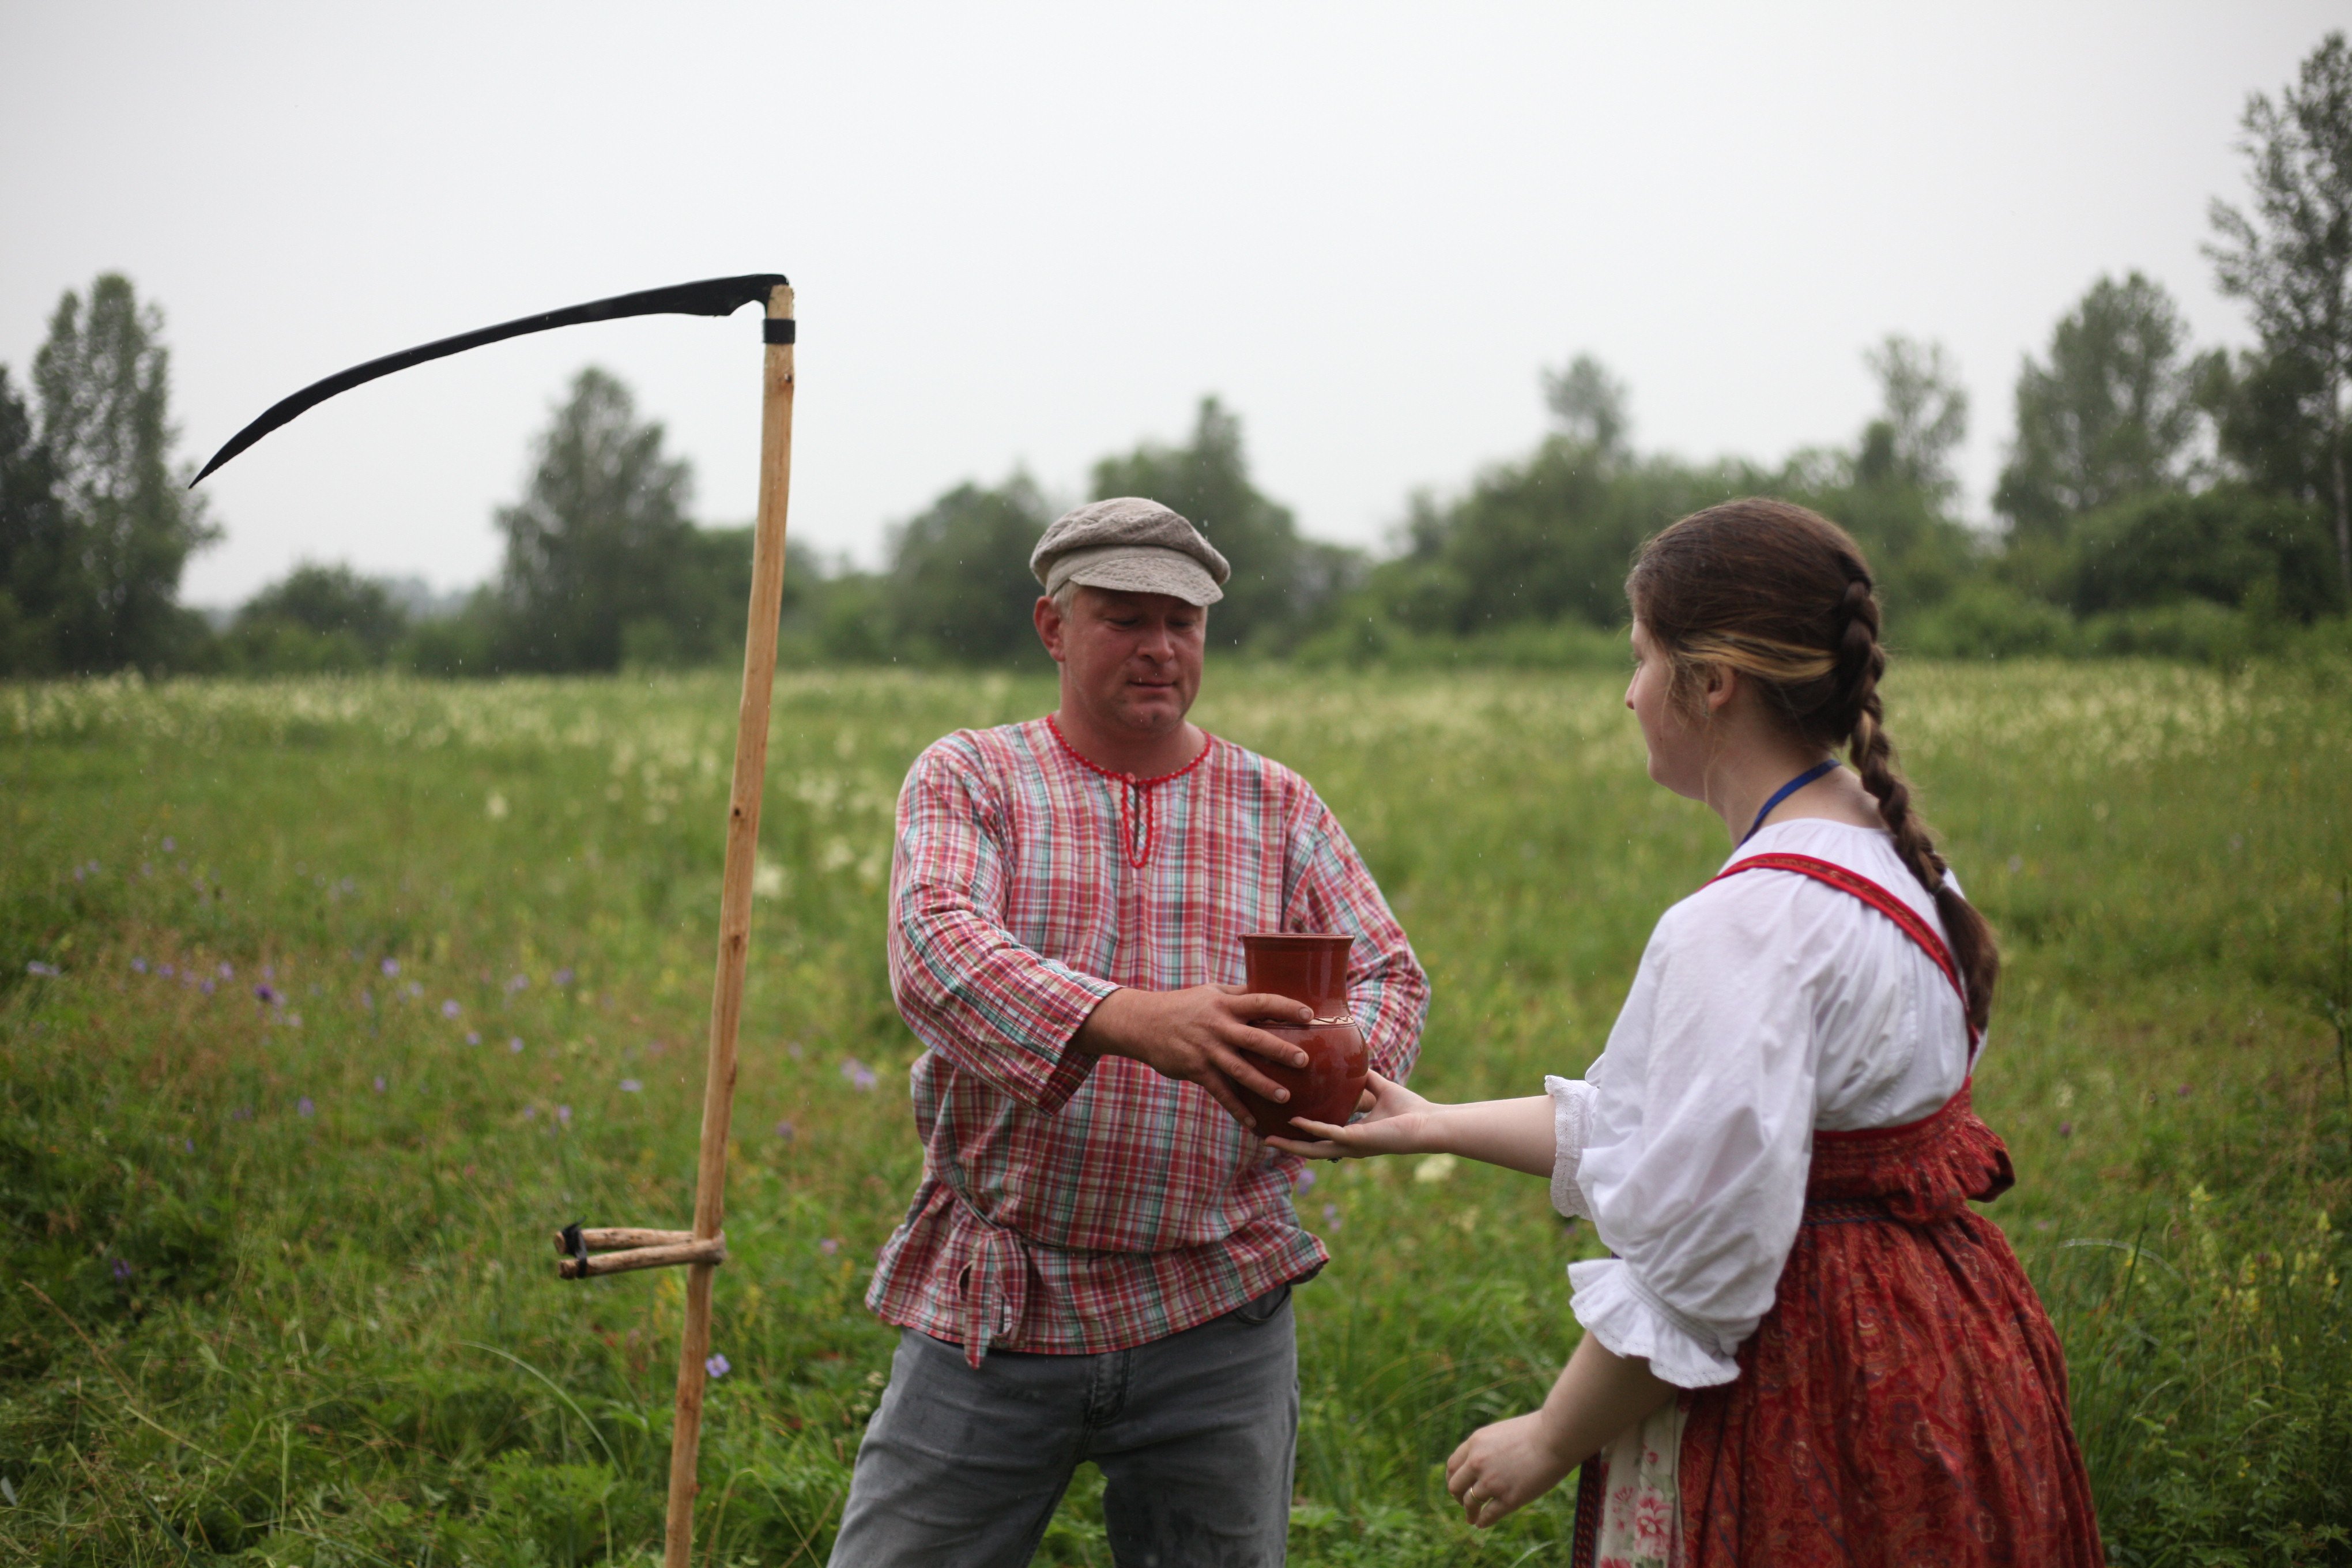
[(1677, 746)]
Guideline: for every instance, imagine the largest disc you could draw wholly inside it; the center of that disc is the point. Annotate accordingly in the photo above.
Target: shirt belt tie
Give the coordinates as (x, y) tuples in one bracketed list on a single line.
[(995, 1282)]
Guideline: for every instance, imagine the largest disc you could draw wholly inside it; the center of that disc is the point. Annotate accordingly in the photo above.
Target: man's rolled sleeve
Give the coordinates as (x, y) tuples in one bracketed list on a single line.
[(969, 990), (1331, 889)]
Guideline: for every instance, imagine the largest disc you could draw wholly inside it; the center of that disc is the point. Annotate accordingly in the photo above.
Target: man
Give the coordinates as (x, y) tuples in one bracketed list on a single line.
[(1097, 1264)]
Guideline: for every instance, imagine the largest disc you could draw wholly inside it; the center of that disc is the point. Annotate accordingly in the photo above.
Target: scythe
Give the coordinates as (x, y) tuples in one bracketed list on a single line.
[(597, 1251)]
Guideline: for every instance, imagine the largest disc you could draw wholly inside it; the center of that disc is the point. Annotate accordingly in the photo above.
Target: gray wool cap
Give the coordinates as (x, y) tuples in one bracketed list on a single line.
[(1131, 546)]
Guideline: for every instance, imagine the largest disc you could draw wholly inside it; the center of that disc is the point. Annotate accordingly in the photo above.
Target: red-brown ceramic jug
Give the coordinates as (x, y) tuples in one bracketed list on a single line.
[(1310, 967)]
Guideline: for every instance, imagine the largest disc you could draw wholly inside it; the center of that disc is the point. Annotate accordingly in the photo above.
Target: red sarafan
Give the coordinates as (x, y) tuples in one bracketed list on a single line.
[(1310, 967), (1905, 1401)]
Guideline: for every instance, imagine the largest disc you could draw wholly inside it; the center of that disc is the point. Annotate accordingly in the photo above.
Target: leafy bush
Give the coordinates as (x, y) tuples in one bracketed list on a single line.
[(2216, 547)]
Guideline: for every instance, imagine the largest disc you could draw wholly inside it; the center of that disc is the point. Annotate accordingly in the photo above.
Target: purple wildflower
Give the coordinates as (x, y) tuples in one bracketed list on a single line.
[(225, 971), (166, 972), (207, 987), (146, 869), (1306, 1180), (449, 1009), (38, 967), (189, 1144), (859, 1075), (303, 1107), (530, 1113), (412, 989), (2065, 1129), (514, 1045), (564, 976), (138, 966), (390, 966), (630, 1086), (519, 983), (473, 1037), (828, 1246), (563, 1114), (784, 1130), (268, 972), (1332, 1216), (379, 1083), (171, 845), (264, 993), (121, 1270), (718, 1366)]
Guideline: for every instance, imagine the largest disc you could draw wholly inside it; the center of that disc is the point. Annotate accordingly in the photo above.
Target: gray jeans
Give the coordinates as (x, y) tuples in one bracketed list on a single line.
[(1195, 1435)]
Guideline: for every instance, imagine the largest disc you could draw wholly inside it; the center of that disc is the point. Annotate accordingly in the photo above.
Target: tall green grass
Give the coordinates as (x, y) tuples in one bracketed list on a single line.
[(279, 1277)]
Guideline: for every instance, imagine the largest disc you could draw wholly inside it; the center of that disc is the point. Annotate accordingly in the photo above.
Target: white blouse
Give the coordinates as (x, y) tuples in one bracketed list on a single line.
[(1766, 1006)]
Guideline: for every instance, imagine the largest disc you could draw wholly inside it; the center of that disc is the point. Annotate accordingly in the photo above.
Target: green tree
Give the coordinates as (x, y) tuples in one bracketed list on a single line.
[(329, 599), (32, 542), (710, 600), (2228, 545), (1923, 417), (1281, 582), (2110, 416), (959, 587), (103, 381), (1590, 404), (597, 544), (2290, 259), (315, 618), (1546, 539)]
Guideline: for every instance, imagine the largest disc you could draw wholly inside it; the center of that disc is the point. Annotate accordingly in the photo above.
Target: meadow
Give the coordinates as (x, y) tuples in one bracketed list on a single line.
[(325, 1001)]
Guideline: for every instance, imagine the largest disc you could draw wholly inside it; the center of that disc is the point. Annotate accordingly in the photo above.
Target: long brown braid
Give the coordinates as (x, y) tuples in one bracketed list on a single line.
[(1784, 595)]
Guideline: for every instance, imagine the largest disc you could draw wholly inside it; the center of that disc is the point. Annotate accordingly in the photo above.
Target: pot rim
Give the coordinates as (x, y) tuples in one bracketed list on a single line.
[(1297, 937)]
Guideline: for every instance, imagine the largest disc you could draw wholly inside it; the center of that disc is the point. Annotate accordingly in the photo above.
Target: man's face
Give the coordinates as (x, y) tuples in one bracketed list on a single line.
[(1131, 661)]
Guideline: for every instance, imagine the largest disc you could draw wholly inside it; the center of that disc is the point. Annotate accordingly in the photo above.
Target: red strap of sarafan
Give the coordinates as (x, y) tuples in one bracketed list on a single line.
[(1128, 786), (1877, 897)]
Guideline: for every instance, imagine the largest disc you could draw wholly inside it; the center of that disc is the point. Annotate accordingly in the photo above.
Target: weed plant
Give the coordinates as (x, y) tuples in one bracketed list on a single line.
[(323, 1003)]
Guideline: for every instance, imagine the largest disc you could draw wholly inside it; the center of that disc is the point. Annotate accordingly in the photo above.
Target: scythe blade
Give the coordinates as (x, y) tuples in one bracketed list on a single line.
[(712, 297)]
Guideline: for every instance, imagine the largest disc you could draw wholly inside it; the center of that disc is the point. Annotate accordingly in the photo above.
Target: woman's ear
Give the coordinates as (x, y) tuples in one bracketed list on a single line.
[(1722, 685)]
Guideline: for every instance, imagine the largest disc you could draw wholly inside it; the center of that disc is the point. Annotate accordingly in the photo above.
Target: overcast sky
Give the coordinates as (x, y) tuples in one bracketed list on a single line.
[(1030, 234)]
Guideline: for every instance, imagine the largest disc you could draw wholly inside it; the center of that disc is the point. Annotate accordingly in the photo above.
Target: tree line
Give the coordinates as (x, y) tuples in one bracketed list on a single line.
[(2155, 498)]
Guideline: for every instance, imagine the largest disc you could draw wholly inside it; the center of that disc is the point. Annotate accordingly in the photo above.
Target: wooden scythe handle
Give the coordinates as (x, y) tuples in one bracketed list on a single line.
[(734, 914)]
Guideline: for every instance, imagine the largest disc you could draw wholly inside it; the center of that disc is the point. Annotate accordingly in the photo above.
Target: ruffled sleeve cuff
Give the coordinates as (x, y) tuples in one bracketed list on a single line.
[(1618, 1310), (1571, 1104)]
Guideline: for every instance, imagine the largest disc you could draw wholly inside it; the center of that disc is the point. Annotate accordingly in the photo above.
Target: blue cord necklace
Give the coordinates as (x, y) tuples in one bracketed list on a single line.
[(1785, 791)]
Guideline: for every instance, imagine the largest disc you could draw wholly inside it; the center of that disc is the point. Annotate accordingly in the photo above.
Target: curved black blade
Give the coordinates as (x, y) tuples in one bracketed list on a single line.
[(712, 297)]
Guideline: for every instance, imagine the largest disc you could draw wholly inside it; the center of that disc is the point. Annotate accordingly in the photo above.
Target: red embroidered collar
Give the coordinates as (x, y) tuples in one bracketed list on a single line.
[(1138, 853)]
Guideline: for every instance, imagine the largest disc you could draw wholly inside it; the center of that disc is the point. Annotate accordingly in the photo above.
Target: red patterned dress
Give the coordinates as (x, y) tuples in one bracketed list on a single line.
[(1903, 1400)]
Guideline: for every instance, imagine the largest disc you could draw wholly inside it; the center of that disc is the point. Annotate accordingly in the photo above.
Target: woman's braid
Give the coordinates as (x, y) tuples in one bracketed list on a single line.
[(1861, 661)]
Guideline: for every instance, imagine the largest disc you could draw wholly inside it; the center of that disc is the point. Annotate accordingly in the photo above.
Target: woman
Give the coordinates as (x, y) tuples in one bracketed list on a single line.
[(1806, 1347)]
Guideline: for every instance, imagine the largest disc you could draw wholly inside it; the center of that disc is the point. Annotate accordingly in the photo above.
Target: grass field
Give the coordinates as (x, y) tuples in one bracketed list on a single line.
[(323, 1003)]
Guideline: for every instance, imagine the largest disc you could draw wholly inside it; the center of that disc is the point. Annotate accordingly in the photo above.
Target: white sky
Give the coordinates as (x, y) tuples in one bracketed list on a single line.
[(1034, 234)]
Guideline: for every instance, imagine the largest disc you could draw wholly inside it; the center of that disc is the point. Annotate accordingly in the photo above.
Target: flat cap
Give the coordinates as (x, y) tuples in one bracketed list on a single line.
[(1131, 546)]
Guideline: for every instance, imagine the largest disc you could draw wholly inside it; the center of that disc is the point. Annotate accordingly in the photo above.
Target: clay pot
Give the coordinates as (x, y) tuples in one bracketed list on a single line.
[(1311, 968)]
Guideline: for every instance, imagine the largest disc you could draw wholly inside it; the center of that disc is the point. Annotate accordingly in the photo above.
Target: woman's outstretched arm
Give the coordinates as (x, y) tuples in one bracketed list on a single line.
[(1514, 1133), (1510, 1464)]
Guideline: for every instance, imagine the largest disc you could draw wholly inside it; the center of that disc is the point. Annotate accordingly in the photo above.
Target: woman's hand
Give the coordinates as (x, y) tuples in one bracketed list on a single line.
[(1505, 1466), (1391, 1119)]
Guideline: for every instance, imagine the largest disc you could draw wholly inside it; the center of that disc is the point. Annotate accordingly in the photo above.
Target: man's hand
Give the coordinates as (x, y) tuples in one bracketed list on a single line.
[(1201, 1034)]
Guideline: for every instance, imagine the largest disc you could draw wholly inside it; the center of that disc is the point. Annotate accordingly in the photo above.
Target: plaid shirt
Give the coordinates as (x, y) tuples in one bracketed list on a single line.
[(1074, 1204)]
